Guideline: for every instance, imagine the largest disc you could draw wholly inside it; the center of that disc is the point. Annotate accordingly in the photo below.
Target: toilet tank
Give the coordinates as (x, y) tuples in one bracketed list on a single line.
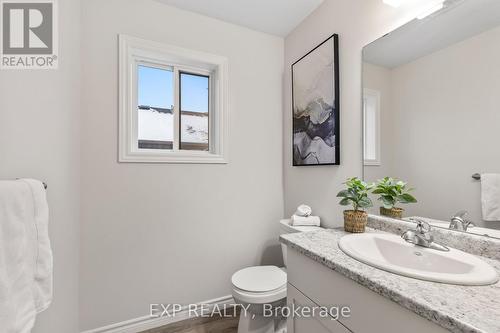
[(286, 227)]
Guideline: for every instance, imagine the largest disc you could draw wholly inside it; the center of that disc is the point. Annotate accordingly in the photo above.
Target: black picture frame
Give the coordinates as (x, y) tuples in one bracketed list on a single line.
[(336, 103)]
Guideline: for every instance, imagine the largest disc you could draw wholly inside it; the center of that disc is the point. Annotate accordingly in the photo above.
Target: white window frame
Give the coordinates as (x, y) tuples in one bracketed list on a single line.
[(135, 51), (370, 93)]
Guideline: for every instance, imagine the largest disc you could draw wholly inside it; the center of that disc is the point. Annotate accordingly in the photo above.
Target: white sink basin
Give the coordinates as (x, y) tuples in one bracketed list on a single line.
[(391, 253)]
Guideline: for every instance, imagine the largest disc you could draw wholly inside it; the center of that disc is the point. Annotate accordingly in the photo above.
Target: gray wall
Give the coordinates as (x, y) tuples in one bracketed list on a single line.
[(358, 22), (175, 233), (39, 138)]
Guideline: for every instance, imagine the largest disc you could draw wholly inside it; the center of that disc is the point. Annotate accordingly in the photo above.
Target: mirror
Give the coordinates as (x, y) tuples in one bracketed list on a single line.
[(431, 116)]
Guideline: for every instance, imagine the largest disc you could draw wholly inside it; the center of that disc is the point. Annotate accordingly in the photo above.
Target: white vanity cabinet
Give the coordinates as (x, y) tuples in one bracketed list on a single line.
[(311, 283), (309, 324)]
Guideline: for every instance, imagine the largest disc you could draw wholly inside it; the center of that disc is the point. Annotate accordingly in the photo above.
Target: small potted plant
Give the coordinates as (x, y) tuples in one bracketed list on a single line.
[(391, 192), (356, 195)]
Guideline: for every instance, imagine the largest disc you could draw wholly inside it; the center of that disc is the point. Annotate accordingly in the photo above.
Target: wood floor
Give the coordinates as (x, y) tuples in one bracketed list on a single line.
[(200, 325)]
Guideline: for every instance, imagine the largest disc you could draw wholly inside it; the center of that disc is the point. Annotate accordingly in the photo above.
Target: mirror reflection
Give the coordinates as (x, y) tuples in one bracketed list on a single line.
[(431, 110)]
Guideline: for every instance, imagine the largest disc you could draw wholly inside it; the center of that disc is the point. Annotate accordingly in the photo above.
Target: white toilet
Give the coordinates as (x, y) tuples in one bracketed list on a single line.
[(259, 285)]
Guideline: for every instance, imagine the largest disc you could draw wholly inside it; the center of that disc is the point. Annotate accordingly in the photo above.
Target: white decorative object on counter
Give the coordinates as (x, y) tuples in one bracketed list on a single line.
[(303, 210)]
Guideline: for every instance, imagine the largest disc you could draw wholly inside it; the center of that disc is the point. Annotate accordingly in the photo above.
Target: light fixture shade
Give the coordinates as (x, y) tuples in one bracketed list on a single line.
[(393, 3), (433, 7)]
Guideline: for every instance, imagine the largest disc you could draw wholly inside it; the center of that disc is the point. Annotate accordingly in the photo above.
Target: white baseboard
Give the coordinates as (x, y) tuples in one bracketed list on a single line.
[(140, 324)]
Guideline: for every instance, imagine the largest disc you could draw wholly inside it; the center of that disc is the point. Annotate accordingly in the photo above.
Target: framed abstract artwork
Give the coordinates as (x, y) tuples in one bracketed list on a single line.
[(316, 106)]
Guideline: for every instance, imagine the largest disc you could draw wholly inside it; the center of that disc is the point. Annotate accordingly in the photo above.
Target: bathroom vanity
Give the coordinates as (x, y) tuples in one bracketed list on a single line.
[(430, 115), (321, 274)]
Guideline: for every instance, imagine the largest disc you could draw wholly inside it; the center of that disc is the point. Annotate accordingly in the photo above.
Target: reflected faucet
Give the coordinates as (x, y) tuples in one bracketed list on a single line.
[(422, 236), (460, 222)]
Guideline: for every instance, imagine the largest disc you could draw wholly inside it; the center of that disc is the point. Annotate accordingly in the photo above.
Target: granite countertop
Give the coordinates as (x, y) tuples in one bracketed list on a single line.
[(456, 308)]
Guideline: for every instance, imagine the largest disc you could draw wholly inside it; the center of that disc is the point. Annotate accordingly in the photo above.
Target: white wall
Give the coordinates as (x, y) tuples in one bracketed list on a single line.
[(446, 118), (175, 233), (39, 138), (357, 22)]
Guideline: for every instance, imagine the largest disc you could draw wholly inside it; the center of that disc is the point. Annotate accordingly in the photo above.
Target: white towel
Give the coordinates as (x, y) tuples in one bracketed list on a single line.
[(44, 261), (25, 256), (306, 220), (490, 196)]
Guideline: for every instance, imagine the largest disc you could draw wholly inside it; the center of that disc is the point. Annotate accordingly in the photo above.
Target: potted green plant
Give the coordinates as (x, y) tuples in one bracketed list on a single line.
[(391, 192), (356, 195)]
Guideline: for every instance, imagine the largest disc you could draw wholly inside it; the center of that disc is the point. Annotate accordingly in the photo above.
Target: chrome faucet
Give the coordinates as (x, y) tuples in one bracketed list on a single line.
[(460, 222), (422, 236)]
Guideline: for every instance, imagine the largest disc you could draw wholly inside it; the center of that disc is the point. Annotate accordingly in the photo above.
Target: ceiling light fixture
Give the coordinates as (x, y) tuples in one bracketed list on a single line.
[(393, 3), (431, 9)]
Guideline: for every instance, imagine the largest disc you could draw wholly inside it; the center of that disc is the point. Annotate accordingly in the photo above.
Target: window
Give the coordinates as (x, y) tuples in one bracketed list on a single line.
[(194, 106), (155, 95), (371, 127), (173, 106)]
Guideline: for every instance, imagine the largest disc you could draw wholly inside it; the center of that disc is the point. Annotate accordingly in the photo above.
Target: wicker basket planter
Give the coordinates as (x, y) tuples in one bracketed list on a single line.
[(355, 221), (396, 213)]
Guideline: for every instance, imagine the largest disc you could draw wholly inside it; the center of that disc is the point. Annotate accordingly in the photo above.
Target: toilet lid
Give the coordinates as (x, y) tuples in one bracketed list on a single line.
[(259, 278)]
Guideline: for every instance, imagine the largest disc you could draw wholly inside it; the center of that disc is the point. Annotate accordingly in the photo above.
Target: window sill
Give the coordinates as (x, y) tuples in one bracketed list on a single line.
[(176, 157)]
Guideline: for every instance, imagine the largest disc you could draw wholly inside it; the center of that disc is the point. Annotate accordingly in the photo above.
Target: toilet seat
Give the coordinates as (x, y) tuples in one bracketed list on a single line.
[(259, 297), (259, 284)]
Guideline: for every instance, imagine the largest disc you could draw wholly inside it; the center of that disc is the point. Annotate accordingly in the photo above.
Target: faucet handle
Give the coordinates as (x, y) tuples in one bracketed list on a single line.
[(461, 214), (423, 227)]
